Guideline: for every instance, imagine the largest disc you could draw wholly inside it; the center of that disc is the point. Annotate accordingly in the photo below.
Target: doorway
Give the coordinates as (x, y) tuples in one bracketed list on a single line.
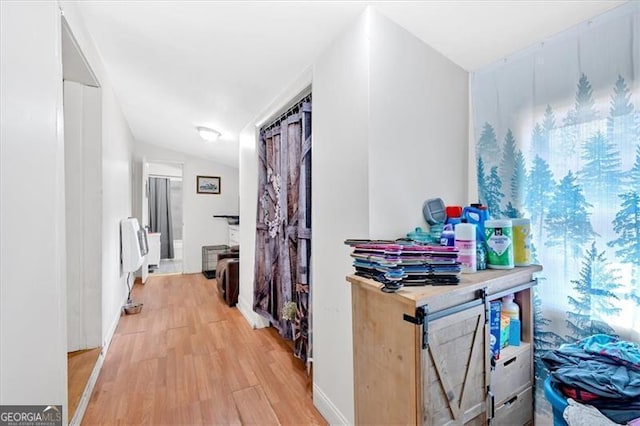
[(82, 114), (165, 209)]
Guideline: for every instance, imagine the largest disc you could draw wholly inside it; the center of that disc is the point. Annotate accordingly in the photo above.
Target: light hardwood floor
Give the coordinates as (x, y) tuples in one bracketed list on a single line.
[(188, 359), (80, 365)]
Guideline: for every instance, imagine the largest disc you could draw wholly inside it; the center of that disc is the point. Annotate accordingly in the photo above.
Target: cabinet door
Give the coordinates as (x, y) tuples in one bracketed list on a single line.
[(454, 369)]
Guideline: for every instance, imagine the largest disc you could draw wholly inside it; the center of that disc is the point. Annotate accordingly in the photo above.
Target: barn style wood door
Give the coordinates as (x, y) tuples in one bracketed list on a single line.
[(283, 229), (456, 368)]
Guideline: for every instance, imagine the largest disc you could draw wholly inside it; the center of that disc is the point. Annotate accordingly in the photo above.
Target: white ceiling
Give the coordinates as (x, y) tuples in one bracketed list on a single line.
[(177, 65)]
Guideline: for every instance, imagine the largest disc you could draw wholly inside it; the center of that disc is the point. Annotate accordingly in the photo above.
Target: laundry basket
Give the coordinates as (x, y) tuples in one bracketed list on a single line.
[(557, 400), (210, 259)]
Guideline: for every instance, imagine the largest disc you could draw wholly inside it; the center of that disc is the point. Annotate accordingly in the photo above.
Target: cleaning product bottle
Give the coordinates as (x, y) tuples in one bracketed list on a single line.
[(454, 215), (448, 236), (512, 310), (465, 235), (478, 214), (473, 214)]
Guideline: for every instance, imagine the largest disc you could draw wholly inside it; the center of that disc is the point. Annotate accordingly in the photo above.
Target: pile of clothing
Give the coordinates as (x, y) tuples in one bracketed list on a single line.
[(601, 371)]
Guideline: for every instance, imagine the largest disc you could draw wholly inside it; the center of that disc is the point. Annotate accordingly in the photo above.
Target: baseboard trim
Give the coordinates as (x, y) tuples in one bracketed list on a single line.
[(327, 408), (114, 324), (255, 320)]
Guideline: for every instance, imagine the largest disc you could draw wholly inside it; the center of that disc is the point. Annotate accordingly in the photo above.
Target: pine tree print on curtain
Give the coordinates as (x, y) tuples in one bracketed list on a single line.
[(283, 229), (562, 119)]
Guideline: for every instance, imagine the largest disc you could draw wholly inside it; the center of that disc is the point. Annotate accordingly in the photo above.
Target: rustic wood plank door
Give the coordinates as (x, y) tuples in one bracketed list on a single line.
[(455, 373), (283, 229)]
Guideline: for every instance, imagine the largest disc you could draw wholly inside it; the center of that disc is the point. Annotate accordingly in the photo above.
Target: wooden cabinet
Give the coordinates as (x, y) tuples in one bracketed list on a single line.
[(422, 355)]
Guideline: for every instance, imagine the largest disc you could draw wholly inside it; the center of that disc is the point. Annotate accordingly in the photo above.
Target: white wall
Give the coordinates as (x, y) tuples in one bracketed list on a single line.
[(418, 129), (472, 181), (340, 210), (200, 227), (33, 362), (116, 177)]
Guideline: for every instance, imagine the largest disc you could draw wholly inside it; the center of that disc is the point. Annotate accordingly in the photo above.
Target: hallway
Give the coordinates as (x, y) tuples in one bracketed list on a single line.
[(187, 358)]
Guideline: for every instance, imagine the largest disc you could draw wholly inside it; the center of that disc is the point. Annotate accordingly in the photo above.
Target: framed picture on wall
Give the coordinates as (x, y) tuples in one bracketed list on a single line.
[(208, 184)]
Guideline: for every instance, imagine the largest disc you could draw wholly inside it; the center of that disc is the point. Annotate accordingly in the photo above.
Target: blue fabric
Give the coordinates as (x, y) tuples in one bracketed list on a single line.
[(604, 366), (593, 373), (626, 353)]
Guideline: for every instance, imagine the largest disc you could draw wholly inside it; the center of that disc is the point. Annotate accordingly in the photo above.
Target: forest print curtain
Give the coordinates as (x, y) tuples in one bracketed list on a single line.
[(557, 131), (283, 232)]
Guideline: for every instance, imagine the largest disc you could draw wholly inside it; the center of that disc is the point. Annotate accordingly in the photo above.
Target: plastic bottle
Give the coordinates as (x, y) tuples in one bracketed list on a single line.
[(465, 234), (454, 215), (512, 310), (510, 307), (472, 215), (521, 242), (478, 215), (448, 236), (484, 216)]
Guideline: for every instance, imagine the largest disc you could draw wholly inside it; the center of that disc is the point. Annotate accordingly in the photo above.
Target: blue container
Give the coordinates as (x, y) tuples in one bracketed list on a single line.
[(557, 400), (478, 217)]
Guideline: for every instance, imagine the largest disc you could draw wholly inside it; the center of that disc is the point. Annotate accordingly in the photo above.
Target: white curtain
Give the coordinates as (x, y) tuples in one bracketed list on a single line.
[(557, 131)]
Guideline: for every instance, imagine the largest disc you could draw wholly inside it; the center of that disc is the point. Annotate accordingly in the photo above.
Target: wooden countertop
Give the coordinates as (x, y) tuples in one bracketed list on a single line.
[(494, 279)]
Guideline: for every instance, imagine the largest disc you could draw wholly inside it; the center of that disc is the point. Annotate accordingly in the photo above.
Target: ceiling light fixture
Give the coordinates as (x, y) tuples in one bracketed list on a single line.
[(208, 134)]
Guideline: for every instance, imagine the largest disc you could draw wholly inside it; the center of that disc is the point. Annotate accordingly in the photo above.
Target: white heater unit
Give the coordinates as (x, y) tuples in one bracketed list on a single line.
[(134, 244)]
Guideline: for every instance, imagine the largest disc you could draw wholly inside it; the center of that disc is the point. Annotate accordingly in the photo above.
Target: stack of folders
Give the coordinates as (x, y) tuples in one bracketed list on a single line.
[(403, 263)]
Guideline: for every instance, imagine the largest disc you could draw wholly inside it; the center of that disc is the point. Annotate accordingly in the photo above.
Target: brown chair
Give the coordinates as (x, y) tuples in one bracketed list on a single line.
[(227, 275)]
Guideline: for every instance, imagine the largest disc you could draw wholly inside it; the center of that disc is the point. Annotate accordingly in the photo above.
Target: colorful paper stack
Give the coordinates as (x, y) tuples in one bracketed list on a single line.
[(379, 261), (439, 262), (403, 263)]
